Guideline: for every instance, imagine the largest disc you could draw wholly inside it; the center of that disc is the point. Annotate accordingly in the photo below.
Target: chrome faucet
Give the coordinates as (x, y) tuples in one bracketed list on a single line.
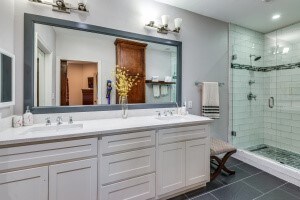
[(48, 121), (59, 120), (251, 96), (166, 113)]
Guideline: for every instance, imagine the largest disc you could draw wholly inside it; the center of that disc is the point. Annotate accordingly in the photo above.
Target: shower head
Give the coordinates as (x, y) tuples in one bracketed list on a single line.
[(256, 58)]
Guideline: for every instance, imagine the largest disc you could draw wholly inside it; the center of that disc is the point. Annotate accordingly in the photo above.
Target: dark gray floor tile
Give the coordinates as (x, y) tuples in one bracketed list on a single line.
[(205, 197), (236, 191), (290, 188), (232, 161), (264, 182), (278, 194), (249, 168), (181, 197), (239, 174), (209, 187)]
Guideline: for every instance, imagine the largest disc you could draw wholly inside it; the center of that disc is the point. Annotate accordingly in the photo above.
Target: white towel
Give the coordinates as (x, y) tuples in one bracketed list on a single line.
[(156, 91), (164, 90), (210, 100)]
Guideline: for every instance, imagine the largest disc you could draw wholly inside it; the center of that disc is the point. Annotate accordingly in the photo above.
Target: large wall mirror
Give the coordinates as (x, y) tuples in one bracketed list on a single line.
[(73, 67), (7, 79)]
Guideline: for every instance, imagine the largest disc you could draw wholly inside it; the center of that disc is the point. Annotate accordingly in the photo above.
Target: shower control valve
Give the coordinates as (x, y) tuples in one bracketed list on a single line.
[(251, 96)]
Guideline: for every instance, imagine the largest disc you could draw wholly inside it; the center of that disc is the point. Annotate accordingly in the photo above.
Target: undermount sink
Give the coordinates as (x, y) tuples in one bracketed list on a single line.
[(170, 117), (52, 129)]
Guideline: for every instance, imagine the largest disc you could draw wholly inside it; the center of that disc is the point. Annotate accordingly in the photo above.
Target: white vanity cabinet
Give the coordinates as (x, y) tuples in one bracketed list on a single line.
[(127, 166), (182, 159), (73, 180), (171, 167), (153, 164), (69, 171), (150, 163), (29, 184)]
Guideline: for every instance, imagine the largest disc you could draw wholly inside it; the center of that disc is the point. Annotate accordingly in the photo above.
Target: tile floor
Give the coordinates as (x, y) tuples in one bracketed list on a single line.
[(249, 183)]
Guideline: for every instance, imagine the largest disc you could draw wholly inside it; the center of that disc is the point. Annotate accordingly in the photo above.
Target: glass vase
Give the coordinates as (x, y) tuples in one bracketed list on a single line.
[(123, 101)]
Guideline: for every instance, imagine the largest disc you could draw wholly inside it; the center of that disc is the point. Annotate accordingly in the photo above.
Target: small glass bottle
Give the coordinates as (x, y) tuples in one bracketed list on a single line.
[(28, 117)]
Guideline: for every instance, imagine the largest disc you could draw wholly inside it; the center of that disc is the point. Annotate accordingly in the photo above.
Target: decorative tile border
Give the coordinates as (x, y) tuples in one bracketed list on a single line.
[(265, 69)]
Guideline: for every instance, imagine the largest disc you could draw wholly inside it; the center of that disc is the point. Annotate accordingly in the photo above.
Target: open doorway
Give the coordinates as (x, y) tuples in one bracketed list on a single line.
[(78, 83)]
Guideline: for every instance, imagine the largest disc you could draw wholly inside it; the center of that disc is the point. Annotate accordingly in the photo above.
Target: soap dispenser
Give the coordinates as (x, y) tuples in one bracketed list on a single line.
[(28, 117)]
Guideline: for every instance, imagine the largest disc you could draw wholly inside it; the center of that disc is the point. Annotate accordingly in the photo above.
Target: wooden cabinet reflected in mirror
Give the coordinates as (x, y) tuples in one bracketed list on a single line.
[(132, 56)]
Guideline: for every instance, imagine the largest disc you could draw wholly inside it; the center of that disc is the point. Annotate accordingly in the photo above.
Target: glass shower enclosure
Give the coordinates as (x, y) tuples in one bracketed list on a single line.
[(265, 92)]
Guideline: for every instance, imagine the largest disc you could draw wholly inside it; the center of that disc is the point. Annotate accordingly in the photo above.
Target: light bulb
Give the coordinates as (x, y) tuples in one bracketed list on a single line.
[(178, 22)]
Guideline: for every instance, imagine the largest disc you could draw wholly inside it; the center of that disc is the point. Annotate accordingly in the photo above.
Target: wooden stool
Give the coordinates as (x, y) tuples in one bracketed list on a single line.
[(218, 147)]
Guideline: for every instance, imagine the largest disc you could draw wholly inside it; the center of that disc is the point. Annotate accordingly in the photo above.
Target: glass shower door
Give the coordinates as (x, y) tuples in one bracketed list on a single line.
[(288, 96), (247, 91)]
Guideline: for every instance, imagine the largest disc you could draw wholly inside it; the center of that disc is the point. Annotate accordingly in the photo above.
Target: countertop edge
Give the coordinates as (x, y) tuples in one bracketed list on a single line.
[(93, 133)]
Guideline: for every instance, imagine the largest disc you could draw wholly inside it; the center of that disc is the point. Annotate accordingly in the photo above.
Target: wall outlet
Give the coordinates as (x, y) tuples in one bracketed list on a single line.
[(190, 104)]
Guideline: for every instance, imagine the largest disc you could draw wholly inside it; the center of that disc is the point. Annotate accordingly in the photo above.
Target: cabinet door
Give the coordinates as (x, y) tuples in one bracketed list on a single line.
[(197, 161), (75, 180), (31, 184), (171, 167)]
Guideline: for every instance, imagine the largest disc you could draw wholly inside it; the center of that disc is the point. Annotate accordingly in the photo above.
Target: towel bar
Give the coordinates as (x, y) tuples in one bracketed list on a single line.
[(197, 83)]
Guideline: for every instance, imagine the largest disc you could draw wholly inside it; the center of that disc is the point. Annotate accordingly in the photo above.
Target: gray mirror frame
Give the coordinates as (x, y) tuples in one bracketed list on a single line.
[(30, 20)]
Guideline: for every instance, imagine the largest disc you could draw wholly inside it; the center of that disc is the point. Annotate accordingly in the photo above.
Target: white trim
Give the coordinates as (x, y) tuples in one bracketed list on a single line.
[(11, 103), (58, 67), (277, 169)]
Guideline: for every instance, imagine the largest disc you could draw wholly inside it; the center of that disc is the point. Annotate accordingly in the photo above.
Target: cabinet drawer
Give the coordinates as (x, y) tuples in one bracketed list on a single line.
[(23, 156), (127, 165), (128, 141), (182, 134), (134, 189)]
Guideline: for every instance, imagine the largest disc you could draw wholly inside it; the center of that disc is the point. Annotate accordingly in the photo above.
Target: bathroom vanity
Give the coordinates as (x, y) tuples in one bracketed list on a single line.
[(108, 159), (142, 157)]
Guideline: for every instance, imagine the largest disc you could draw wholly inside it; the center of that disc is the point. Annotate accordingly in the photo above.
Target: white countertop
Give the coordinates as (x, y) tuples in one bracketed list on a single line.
[(97, 127)]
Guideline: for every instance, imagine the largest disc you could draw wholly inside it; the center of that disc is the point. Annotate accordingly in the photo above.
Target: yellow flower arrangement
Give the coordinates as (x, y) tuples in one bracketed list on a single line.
[(124, 82)]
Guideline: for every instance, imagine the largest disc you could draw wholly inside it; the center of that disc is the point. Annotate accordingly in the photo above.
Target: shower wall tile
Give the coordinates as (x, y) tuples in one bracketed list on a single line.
[(254, 121)]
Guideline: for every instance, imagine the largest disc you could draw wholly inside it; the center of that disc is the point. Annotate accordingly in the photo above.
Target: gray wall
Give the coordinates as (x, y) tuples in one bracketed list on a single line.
[(205, 42), (7, 36)]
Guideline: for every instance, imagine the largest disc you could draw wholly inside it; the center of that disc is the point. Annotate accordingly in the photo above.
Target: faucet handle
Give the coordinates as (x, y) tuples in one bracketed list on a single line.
[(158, 113), (48, 121), (71, 120)]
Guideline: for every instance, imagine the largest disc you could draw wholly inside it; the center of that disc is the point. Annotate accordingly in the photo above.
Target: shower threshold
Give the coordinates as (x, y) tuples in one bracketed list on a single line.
[(280, 155)]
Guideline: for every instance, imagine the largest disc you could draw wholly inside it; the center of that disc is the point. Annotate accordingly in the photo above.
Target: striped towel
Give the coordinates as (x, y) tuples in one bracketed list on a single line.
[(210, 100)]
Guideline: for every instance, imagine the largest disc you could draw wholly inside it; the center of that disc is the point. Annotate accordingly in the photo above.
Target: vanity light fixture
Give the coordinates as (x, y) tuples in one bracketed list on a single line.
[(164, 29), (62, 6)]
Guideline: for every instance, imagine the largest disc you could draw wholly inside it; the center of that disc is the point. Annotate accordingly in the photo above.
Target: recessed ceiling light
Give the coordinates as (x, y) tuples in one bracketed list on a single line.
[(276, 16)]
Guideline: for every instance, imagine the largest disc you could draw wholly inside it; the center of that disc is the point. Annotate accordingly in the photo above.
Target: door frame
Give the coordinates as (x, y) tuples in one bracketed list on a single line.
[(58, 70), (39, 43)]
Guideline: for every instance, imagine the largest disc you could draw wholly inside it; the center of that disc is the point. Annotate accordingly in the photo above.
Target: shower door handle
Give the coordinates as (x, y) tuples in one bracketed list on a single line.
[(271, 102)]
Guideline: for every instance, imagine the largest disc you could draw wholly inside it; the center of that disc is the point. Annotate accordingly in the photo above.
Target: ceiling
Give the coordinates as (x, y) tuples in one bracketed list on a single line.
[(253, 14)]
